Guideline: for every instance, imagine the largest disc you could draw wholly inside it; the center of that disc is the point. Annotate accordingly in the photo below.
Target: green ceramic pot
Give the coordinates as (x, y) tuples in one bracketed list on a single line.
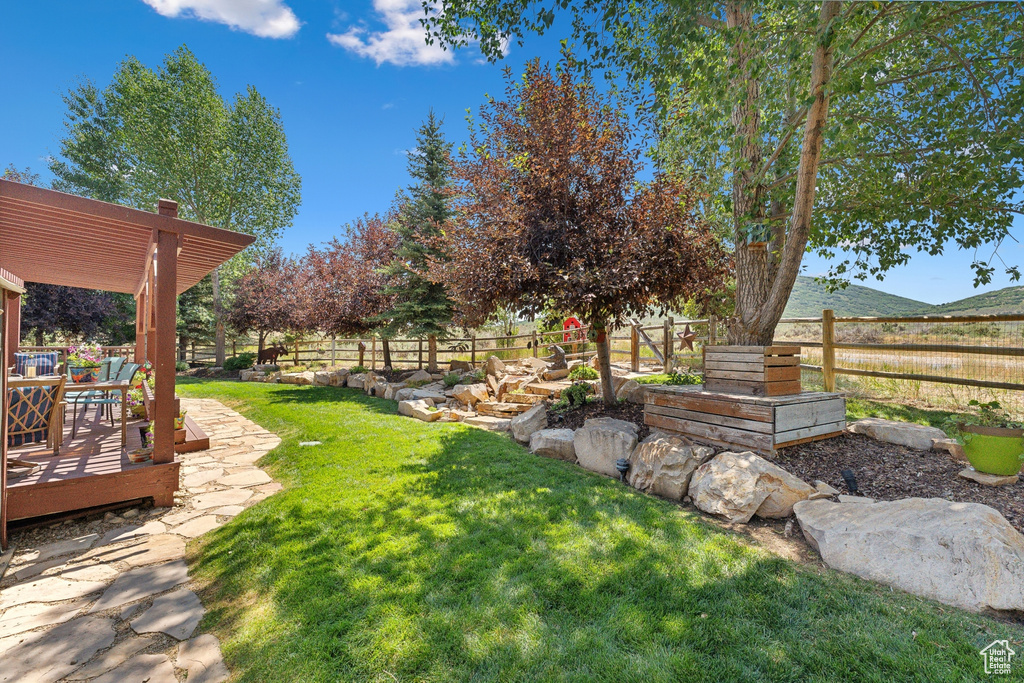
[(994, 450)]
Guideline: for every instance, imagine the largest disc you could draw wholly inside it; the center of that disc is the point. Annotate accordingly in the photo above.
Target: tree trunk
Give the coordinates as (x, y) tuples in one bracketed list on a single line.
[(432, 353), (259, 345), (218, 317), (39, 338), (604, 364), (182, 347), (386, 347), (761, 294)]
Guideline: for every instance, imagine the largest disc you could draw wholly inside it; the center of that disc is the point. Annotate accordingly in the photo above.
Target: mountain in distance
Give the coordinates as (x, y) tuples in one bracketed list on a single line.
[(810, 298)]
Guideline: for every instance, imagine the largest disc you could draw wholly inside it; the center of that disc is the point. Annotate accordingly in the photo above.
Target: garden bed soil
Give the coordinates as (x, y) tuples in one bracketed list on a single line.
[(574, 419), (889, 472)]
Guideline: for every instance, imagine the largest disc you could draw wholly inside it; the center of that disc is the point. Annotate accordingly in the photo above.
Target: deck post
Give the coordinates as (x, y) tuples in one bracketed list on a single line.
[(140, 327), (166, 301), (151, 316), (12, 325)]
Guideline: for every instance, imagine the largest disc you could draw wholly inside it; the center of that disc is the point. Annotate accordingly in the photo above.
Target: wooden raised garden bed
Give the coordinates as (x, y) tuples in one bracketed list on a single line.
[(752, 370)]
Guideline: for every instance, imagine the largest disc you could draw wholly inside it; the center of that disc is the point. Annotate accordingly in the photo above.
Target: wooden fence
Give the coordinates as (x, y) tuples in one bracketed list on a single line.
[(62, 351)]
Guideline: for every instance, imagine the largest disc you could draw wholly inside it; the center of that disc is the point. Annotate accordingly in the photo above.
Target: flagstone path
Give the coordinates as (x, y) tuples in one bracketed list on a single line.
[(109, 601)]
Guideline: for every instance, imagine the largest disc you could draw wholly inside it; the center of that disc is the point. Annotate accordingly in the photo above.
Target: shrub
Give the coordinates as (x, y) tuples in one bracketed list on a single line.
[(358, 370), (242, 361), (684, 378), (180, 366), (451, 379), (472, 377), (573, 397), (583, 371)]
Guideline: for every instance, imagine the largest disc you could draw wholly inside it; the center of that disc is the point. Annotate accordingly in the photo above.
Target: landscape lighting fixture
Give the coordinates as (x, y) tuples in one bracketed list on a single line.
[(851, 481), (622, 465)]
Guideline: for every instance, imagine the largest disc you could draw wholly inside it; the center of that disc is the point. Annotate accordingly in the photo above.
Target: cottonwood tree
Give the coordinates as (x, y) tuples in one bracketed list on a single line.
[(345, 291), (421, 307), (169, 133), (266, 298), (872, 129), (550, 214)]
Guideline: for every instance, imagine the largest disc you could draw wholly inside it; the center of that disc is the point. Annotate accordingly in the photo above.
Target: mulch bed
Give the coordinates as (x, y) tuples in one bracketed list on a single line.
[(574, 419), (888, 472)]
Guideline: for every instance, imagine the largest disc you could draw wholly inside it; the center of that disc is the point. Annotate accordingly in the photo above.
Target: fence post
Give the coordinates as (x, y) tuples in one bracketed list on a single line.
[(296, 351), (667, 343), (472, 351), (362, 353), (535, 343), (419, 362), (828, 349), (712, 338), (373, 353), (334, 351), (634, 349), (234, 349)]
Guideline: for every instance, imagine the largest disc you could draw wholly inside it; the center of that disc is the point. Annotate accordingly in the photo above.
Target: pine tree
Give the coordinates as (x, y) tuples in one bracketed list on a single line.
[(422, 308)]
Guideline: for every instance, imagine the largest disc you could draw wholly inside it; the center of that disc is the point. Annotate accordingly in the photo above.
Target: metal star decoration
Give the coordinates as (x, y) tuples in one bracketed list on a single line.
[(688, 336)]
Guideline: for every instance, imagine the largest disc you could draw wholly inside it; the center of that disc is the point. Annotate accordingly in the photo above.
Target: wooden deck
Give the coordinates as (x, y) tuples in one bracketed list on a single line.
[(91, 470)]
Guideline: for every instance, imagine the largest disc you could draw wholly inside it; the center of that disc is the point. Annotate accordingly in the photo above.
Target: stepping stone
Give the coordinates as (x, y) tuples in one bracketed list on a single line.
[(48, 656), (180, 516), (229, 510), (90, 572), (221, 498), (33, 615), (144, 551), (272, 487), (985, 479), (132, 531), (197, 526), (141, 583), (47, 589), (58, 548), (858, 500), (38, 568), (113, 657), (201, 657), (177, 614), (202, 477), (250, 478), (245, 458), (141, 669)]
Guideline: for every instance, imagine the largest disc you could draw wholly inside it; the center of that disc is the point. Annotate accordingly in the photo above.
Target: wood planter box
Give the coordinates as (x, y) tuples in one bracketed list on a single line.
[(186, 440), (752, 370), (760, 423)]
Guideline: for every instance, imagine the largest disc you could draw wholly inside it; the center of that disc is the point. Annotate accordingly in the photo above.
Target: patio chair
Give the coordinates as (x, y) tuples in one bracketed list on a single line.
[(36, 411), (44, 363), (125, 371)]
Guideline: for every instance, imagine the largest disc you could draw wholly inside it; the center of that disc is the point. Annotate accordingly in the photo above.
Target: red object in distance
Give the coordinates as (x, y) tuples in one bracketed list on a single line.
[(572, 327)]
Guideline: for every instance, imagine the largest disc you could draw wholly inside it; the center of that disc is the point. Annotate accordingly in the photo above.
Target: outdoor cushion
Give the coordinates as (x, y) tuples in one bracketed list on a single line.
[(44, 363), (30, 407)]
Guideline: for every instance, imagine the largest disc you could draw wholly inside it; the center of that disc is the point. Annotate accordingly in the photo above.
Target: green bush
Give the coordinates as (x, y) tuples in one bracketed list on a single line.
[(472, 377), (180, 366), (583, 371), (573, 397), (451, 379), (242, 361), (359, 369)]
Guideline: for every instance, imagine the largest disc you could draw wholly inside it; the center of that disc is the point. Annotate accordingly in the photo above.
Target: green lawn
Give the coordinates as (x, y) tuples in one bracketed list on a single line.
[(402, 551)]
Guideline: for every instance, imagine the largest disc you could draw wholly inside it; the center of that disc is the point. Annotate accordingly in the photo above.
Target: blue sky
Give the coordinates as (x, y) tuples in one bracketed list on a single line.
[(353, 79)]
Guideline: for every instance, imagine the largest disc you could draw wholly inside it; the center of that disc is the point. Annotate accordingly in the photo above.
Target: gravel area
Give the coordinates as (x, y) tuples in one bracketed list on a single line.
[(889, 472)]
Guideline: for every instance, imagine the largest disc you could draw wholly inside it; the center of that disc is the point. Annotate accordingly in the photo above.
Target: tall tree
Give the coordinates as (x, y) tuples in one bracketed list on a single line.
[(67, 313), (345, 288), (265, 298), (421, 307), (551, 214), (195, 316), (875, 128), (169, 133)]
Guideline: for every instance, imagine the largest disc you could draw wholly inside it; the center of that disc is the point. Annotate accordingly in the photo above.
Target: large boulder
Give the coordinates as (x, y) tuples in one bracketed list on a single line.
[(355, 381), (918, 437), (525, 424), (962, 554), (534, 365), (491, 424), (625, 389), (494, 366), (297, 378), (460, 366), (662, 464), (740, 485), (404, 394), (339, 377), (322, 378), (421, 410), (419, 376), (433, 395), (554, 375), (554, 443), (470, 394), (603, 440)]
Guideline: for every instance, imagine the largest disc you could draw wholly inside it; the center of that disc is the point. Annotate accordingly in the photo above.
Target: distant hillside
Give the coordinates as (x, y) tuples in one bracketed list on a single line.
[(810, 298), (1006, 300)]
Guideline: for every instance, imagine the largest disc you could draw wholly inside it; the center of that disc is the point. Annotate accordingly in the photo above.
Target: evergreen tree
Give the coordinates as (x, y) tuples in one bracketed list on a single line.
[(422, 308)]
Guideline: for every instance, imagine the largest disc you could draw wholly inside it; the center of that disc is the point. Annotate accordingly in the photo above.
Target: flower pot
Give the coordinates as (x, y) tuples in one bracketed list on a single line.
[(139, 411), (994, 450), (80, 375)]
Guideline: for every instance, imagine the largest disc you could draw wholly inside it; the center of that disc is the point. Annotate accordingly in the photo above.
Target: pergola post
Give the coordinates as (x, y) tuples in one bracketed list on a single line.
[(151, 313), (140, 327), (12, 324), (165, 304)]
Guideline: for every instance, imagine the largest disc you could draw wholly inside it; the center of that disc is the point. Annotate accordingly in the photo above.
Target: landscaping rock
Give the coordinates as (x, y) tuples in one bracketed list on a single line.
[(460, 366), (392, 391), (626, 389), (322, 378), (855, 500), (433, 395), (554, 443), (988, 479), (918, 437), (177, 614), (603, 440), (663, 464), (740, 485), (202, 658), (491, 424), (493, 366), (418, 376), (403, 394), (304, 378), (355, 381), (525, 424), (962, 554), (471, 394), (419, 409), (553, 375), (535, 365)]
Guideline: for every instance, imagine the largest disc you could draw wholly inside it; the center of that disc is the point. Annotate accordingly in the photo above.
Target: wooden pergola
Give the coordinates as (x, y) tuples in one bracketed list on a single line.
[(153, 256)]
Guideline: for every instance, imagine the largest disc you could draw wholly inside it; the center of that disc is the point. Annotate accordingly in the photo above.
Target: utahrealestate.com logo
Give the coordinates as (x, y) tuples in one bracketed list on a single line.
[(997, 656)]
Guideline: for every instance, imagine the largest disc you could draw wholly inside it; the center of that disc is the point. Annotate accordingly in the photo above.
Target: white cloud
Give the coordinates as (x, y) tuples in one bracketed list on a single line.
[(263, 18), (402, 44)]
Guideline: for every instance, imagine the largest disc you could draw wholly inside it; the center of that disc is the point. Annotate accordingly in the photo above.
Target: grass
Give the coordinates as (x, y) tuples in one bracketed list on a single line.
[(402, 550)]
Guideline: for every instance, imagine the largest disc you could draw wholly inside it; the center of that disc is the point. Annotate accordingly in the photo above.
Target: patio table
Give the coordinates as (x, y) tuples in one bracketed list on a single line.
[(107, 387)]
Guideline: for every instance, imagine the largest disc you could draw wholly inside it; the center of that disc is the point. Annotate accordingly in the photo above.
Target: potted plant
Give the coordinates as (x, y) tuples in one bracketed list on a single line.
[(993, 443), (135, 402), (179, 422), (84, 362)]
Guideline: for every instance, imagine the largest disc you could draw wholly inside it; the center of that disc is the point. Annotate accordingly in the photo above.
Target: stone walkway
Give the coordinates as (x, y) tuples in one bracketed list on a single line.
[(110, 601)]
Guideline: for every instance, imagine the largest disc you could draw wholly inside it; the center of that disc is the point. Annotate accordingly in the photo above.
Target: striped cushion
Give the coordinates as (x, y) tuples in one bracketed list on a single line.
[(29, 408), (44, 363)]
